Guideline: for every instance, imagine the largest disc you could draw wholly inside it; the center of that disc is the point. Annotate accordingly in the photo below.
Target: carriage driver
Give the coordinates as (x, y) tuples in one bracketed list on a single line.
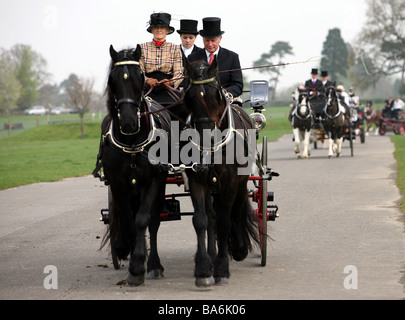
[(227, 60), (161, 61), (314, 86)]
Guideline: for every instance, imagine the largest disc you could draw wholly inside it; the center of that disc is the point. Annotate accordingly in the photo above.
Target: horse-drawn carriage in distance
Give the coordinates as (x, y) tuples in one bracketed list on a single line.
[(202, 142), (393, 120), (316, 118)]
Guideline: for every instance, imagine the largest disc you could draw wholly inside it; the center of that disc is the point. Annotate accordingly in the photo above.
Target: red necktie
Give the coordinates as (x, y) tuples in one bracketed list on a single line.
[(211, 58)]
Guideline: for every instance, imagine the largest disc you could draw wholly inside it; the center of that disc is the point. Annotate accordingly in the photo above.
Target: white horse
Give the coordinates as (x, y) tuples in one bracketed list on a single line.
[(302, 121)]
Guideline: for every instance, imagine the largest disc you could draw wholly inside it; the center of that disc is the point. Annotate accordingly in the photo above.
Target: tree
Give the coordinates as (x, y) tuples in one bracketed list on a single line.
[(79, 92), (334, 55), (29, 68), (278, 51), (9, 86), (383, 38)]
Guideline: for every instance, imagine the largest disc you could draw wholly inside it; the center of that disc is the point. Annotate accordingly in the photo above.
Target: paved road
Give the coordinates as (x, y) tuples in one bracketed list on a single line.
[(334, 213)]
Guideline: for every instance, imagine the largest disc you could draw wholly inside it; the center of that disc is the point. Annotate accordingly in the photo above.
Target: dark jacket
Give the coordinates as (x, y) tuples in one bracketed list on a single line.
[(313, 87), (227, 60)]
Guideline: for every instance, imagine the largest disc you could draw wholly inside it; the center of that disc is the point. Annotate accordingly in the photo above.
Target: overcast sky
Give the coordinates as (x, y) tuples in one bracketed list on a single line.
[(74, 36)]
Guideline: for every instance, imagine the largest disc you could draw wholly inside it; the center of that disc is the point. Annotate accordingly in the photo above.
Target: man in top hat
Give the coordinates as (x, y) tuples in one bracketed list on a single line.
[(188, 34), (324, 79), (314, 86), (227, 60)]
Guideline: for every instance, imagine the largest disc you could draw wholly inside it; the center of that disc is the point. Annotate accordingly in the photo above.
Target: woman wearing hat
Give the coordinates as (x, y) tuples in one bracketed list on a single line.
[(188, 34), (160, 60)]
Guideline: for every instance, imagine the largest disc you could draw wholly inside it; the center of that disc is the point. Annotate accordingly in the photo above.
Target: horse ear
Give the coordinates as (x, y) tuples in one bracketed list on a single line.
[(187, 66), (113, 53), (138, 52)]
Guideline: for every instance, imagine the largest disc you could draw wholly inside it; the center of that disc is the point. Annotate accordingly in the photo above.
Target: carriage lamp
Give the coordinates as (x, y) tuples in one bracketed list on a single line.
[(259, 120)]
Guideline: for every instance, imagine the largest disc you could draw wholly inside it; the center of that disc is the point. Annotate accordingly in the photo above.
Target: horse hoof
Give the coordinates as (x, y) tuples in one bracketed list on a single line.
[(135, 280), (155, 274), (204, 282), (221, 281)]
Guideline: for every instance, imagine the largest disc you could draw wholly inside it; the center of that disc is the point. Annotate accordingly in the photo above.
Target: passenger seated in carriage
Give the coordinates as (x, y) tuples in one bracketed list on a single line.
[(397, 108), (344, 100), (161, 61), (386, 112)]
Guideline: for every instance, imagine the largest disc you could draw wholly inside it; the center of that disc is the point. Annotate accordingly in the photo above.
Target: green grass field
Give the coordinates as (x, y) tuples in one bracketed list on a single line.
[(48, 153)]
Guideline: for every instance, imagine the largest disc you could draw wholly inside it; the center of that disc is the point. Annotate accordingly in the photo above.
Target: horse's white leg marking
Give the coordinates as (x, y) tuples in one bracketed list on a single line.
[(339, 146), (297, 141), (306, 151), (330, 153)]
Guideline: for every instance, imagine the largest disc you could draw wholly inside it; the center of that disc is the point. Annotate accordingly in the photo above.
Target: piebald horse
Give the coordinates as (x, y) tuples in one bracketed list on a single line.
[(302, 121)]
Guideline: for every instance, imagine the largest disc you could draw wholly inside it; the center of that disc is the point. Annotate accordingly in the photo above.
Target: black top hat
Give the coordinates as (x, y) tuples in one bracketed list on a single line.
[(324, 73), (188, 27), (314, 71), (160, 19), (211, 27)]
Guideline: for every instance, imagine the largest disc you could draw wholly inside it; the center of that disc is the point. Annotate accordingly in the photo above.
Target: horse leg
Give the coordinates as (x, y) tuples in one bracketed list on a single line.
[(212, 242), (136, 270), (296, 132), (331, 141), (154, 267), (339, 146), (223, 205), (306, 151), (203, 265)]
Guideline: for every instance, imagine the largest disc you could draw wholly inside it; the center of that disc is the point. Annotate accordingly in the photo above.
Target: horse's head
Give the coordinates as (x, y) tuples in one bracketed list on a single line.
[(125, 89), (203, 96), (330, 93), (302, 103)]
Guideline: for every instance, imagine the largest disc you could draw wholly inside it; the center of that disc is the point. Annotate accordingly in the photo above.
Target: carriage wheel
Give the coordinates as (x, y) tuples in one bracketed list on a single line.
[(263, 207), (383, 129), (400, 129), (116, 261)]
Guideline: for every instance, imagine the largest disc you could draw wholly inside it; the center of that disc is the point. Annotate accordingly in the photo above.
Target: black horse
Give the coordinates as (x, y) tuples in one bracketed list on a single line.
[(228, 217), (335, 121), (137, 186)]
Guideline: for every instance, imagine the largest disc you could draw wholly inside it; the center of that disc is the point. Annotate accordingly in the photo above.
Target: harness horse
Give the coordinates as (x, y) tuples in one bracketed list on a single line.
[(137, 187), (229, 217), (335, 121), (302, 121)]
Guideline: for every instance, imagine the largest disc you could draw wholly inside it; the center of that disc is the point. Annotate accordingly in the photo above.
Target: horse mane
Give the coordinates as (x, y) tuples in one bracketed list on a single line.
[(114, 73)]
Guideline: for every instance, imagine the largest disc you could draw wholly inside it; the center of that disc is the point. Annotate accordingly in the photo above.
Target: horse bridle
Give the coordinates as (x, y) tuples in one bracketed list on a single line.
[(328, 102), (300, 104), (126, 76)]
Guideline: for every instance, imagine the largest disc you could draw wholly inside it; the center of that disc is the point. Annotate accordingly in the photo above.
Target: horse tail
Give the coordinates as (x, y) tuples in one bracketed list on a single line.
[(244, 231)]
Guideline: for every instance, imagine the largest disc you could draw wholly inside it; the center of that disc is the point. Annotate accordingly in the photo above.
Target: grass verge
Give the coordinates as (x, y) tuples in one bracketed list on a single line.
[(399, 154)]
